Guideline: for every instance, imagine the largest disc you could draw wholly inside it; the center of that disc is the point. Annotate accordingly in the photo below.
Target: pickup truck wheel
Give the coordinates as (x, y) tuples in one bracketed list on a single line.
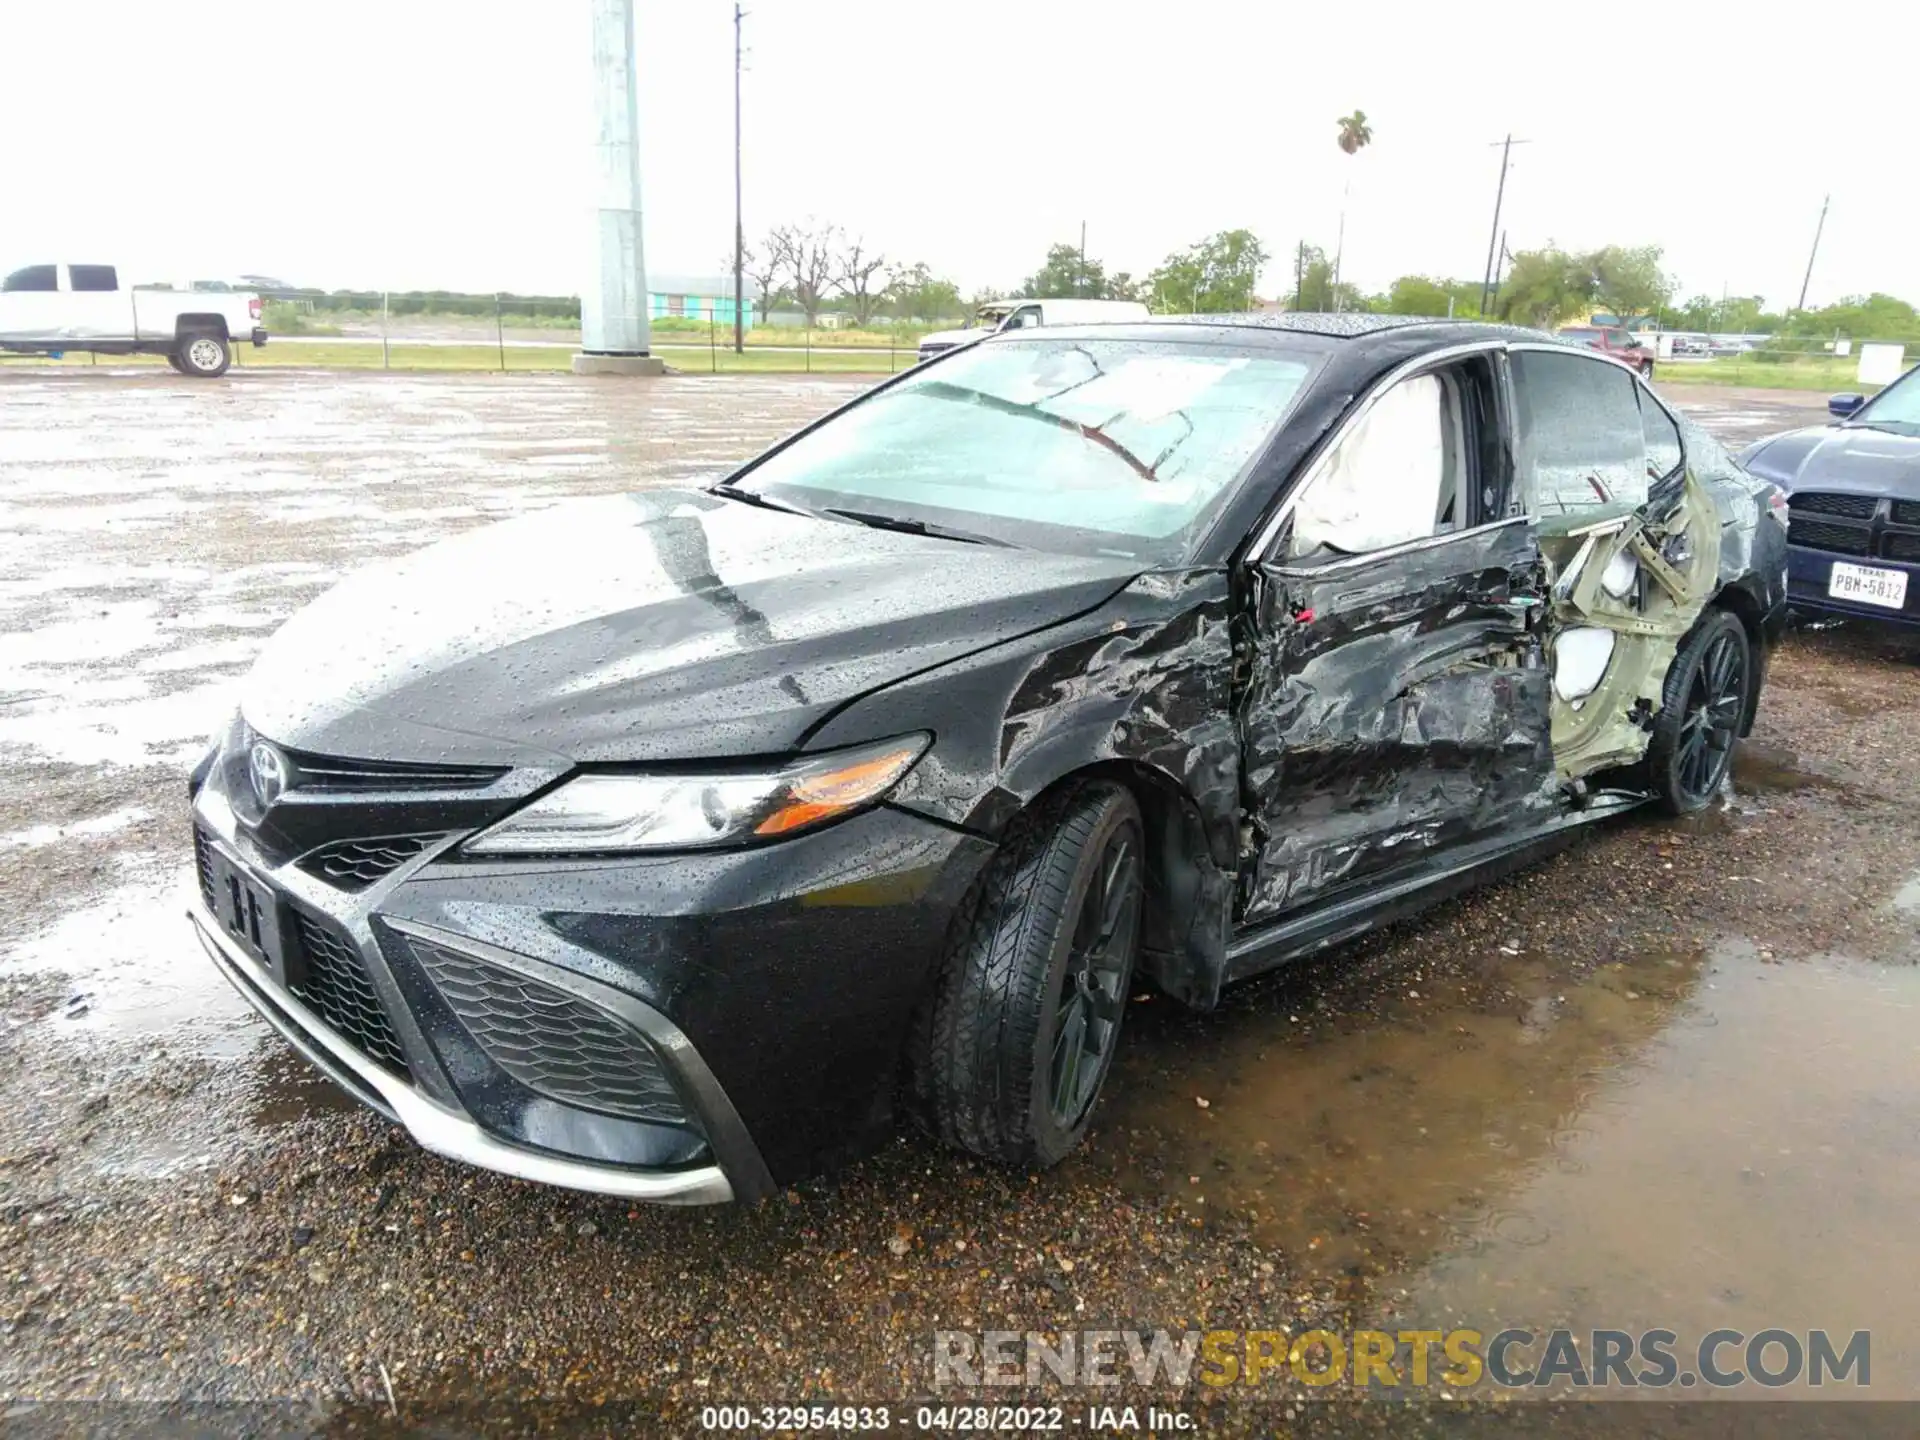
[(1700, 712), (204, 355), (1014, 1045), (173, 362)]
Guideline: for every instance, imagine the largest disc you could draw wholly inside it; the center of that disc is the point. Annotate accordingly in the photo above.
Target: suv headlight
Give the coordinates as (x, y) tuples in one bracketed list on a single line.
[(601, 813)]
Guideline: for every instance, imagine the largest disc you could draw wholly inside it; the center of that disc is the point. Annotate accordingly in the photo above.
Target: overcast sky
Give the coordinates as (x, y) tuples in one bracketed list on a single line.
[(419, 143)]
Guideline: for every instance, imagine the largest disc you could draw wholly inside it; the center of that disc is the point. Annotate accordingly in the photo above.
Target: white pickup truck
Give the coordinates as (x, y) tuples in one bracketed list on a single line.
[(51, 309)]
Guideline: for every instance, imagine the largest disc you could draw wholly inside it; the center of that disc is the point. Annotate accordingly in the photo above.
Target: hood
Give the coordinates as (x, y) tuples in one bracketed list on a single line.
[(1849, 458), (667, 624)]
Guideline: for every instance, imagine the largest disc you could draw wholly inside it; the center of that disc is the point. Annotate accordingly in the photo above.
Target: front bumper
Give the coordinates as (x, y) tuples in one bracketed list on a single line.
[(438, 1128), (773, 987), (1810, 571)]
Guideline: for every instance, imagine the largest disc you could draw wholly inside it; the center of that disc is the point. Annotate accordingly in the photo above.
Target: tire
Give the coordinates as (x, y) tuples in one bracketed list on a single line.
[(173, 362), (1646, 371), (1706, 694), (1013, 1048), (203, 354)]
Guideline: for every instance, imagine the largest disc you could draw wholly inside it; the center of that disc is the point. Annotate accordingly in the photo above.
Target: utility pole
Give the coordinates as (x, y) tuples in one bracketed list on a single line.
[(615, 303), (1493, 238), (1816, 250), (739, 226)]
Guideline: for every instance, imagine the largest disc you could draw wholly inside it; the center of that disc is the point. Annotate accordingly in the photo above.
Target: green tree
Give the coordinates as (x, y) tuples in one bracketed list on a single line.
[(1423, 295), (1859, 317), (1628, 282), (1067, 275), (1545, 287), (1217, 275), (1314, 288), (915, 293)]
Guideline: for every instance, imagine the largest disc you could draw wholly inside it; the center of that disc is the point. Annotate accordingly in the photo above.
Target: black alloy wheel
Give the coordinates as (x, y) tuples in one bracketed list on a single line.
[(1701, 712), (1093, 988), (1013, 1045)]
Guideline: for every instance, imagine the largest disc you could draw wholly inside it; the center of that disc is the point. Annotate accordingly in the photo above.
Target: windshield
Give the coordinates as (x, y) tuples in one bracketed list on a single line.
[(1084, 446), (1895, 408)]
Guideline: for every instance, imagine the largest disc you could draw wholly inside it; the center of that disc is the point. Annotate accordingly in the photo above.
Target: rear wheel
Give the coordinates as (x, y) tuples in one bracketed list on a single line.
[(1700, 713), (203, 354), (1016, 1042)]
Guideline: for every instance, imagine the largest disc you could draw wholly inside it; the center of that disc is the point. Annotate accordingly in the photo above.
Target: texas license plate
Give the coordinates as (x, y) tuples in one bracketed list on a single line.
[(249, 912), (1868, 584)]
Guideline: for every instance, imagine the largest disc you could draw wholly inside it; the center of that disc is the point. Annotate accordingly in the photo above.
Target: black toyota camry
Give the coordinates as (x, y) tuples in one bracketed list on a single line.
[(671, 844)]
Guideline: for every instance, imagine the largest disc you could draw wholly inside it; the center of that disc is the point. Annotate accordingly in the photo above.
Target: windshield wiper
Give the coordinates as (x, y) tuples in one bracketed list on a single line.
[(918, 527), (754, 497)]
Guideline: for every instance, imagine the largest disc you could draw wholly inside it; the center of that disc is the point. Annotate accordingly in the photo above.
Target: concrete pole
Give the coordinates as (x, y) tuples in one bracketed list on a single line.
[(614, 302)]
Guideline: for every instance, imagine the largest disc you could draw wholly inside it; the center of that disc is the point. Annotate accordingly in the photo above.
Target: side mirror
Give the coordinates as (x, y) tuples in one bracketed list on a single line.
[(1841, 406)]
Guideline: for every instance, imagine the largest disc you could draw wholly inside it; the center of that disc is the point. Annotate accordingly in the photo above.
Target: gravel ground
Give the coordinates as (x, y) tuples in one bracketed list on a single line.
[(1659, 1079)]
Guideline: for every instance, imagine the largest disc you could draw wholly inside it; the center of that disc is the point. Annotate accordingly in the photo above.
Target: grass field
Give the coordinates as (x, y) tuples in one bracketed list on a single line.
[(1823, 372), (366, 355)]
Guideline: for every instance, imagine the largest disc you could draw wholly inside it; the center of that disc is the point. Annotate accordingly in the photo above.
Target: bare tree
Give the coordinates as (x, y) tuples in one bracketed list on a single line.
[(762, 271), (803, 258), (856, 273)]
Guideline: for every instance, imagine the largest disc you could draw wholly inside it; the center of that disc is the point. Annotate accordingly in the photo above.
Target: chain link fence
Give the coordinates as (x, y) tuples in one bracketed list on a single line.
[(445, 331)]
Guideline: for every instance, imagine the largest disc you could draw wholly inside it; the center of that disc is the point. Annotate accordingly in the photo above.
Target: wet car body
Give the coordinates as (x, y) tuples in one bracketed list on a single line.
[(1315, 742), (1853, 489)]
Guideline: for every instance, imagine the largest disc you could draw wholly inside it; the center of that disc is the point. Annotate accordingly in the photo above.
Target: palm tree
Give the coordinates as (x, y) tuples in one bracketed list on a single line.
[(1355, 135), (1354, 132)]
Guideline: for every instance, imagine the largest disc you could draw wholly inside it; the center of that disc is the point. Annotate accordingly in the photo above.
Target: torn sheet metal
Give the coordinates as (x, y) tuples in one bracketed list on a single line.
[(1645, 576), (1391, 704)]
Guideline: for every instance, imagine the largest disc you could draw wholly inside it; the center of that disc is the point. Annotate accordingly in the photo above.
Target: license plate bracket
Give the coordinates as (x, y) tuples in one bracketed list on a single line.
[(1868, 585), (252, 915)]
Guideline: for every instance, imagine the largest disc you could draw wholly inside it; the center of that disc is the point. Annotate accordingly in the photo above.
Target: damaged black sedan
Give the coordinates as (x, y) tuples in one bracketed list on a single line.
[(669, 845)]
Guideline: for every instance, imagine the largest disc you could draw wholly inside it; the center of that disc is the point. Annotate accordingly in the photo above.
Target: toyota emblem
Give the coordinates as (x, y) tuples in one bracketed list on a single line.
[(268, 769)]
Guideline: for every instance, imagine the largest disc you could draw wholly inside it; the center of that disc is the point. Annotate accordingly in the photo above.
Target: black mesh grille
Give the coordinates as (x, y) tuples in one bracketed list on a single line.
[(1906, 512), (1817, 502), (1900, 547), (203, 866), (550, 1041), (340, 774), (336, 988), (356, 864), (1828, 535)]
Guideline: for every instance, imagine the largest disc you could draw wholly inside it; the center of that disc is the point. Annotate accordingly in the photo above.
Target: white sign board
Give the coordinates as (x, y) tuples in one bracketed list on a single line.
[(1881, 364)]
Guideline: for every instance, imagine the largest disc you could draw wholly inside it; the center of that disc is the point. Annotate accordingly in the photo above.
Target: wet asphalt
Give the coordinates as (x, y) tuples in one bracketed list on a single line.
[(1665, 1078)]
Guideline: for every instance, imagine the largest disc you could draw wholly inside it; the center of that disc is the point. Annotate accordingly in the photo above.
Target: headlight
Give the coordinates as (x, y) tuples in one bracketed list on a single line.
[(599, 813)]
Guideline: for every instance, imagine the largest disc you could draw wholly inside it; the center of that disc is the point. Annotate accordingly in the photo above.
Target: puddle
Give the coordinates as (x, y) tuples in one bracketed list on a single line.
[(134, 971), (1621, 1151), (1764, 769)]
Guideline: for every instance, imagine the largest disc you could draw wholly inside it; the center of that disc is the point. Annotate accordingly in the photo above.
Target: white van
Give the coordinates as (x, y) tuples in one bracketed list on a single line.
[(1018, 314)]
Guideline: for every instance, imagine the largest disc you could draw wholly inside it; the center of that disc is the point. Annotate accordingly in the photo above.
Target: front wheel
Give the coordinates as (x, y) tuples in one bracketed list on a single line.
[(1646, 370), (204, 355), (1701, 708), (1017, 1039)]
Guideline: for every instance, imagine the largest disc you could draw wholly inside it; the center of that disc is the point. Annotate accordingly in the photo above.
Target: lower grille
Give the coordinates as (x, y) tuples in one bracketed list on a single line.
[(337, 989), (1816, 502), (1906, 512), (1828, 535), (203, 866), (550, 1041), (356, 864)]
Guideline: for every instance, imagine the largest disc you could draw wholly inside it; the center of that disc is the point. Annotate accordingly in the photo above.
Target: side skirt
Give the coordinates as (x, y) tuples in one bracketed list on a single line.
[(1342, 917)]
